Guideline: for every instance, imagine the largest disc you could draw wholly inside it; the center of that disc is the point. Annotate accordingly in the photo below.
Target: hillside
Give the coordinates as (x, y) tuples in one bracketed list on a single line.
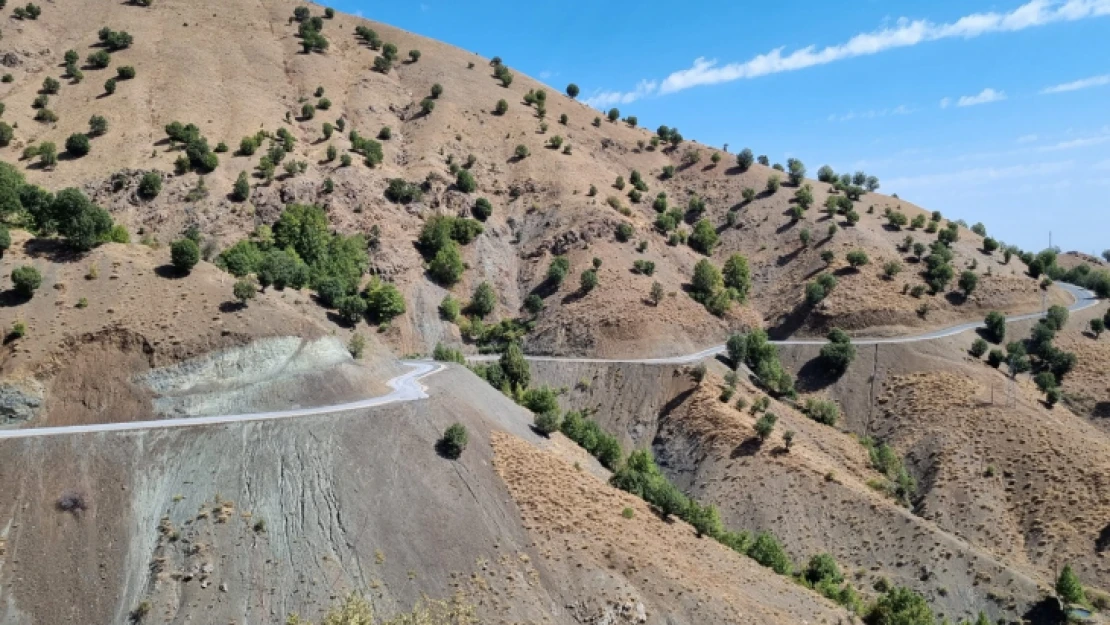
[(233, 71)]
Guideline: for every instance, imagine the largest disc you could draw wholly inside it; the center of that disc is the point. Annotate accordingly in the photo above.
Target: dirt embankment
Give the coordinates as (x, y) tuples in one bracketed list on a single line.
[(816, 497)]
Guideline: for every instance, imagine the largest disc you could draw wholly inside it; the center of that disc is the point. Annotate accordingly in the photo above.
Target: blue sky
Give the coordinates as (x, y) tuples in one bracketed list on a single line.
[(993, 112)]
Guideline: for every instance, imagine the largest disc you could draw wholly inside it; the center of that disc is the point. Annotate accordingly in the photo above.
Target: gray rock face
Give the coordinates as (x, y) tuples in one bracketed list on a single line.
[(20, 401)]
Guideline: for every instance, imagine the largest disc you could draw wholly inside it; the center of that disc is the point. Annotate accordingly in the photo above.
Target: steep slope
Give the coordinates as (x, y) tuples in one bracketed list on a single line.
[(233, 70), (254, 521)]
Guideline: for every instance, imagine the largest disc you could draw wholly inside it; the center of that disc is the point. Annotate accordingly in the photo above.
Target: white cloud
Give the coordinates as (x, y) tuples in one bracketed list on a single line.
[(1086, 83), (985, 96), (903, 34), (605, 99), (901, 109), (944, 102), (1026, 139)]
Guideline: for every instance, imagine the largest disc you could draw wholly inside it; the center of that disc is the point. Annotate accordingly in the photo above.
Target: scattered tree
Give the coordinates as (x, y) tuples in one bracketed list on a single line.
[(184, 255), (26, 280)]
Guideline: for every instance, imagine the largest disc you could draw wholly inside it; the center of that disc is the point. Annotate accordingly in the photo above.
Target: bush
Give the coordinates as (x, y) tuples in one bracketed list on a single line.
[(588, 280), (465, 182), (402, 192), (767, 551), (382, 65), (1098, 325), (765, 426), (150, 185), (839, 352), (745, 159), (978, 348), (453, 442), (773, 184), (184, 254), (99, 59), (996, 358), (822, 411), (244, 290), (384, 302), (900, 606), (26, 279), (614, 114), (521, 151), (427, 105), (484, 300), (447, 265), (704, 237), (77, 145), (414, 55)]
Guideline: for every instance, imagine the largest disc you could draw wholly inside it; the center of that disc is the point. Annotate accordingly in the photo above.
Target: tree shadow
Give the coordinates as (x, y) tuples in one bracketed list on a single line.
[(787, 226), (734, 170), (787, 258), (54, 250), (1047, 611), (231, 306), (789, 323), (1101, 410), (445, 451), (545, 289), (169, 272), (570, 298), (955, 298), (748, 448), (815, 376), (11, 298)]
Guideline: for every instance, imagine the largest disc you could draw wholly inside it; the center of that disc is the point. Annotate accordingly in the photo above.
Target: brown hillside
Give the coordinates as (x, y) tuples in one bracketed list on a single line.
[(233, 70)]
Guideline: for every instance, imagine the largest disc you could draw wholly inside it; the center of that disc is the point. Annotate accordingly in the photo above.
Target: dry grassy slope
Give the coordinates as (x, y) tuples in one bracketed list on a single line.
[(140, 316), (1015, 479), (234, 69), (173, 519)]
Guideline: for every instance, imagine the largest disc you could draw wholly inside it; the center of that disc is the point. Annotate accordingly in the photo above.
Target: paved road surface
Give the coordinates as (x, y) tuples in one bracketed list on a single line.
[(1083, 299), (405, 387)]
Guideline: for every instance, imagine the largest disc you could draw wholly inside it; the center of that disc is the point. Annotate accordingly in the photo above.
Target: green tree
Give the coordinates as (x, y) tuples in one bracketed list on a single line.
[(484, 300), (707, 280), (588, 280), (184, 254), (767, 551), (900, 606), (241, 190), (704, 237), (857, 258), (979, 347), (557, 270), (745, 159), (26, 279), (5, 240), (1068, 587), (572, 90), (614, 114), (244, 290), (737, 276), (150, 185), (82, 223), (1056, 317), (996, 326), (483, 208), (97, 125), (1098, 325), (706, 520), (968, 281), (839, 352), (737, 348), (822, 568), (796, 170), (773, 184), (384, 302), (453, 442), (765, 426), (515, 367), (465, 182)]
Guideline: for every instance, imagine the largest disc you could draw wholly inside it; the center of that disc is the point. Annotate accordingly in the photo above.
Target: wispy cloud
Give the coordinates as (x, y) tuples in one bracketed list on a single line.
[(978, 175), (604, 99), (905, 33), (901, 109), (1086, 83), (985, 96), (1026, 139)]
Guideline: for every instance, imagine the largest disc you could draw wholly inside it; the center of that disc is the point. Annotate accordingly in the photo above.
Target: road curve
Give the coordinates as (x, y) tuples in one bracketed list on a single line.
[(1083, 299), (405, 387)]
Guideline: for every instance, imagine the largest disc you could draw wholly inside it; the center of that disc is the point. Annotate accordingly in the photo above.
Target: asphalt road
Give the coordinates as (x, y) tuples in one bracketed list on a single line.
[(405, 387), (1083, 299)]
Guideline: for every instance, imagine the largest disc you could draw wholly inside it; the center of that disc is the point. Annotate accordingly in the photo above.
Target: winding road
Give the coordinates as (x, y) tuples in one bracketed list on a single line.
[(407, 387), (1083, 299)]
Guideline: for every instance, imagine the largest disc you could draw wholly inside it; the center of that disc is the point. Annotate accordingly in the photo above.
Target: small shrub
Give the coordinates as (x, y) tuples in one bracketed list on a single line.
[(979, 347), (26, 280), (77, 145), (125, 72), (184, 254), (521, 151), (150, 185), (454, 441)]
